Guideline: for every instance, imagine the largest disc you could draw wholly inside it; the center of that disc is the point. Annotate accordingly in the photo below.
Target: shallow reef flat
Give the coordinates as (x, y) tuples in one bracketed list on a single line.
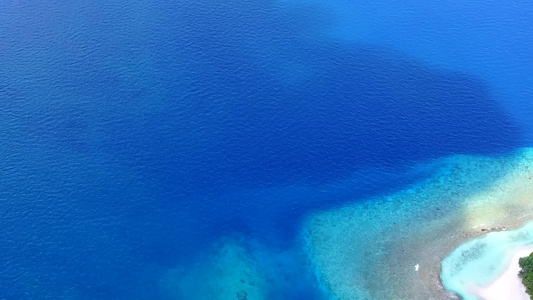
[(369, 249)]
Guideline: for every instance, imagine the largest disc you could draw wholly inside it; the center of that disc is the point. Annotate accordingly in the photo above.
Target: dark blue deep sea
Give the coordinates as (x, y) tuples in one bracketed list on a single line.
[(135, 134)]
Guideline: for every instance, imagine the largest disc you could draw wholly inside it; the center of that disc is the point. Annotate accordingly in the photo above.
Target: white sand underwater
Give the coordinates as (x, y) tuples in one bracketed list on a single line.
[(487, 267), (507, 285)]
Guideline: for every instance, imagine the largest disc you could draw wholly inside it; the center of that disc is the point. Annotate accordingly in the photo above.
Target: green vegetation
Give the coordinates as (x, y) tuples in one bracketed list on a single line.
[(526, 263)]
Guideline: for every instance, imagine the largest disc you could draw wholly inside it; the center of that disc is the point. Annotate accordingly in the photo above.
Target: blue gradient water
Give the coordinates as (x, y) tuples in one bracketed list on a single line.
[(134, 135)]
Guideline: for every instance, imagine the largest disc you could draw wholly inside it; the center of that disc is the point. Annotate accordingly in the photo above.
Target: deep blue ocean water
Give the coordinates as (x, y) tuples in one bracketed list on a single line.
[(135, 134)]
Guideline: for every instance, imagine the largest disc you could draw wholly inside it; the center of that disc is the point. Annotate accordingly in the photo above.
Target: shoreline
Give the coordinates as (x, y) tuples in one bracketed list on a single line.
[(507, 285), (487, 267), (369, 250)]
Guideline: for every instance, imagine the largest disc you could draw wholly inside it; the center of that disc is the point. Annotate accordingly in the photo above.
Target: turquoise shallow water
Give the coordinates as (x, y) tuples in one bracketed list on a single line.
[(481, 260), (368, 250)]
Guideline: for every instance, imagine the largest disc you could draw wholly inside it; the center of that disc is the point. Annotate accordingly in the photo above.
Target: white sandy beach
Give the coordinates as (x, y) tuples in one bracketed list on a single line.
[(507, 285)]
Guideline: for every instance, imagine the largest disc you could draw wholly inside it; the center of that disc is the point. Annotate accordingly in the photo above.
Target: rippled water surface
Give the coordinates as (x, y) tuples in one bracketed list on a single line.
[(172, 149)]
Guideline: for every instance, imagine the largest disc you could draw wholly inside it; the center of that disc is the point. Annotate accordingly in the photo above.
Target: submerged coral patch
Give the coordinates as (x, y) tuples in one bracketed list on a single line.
[(229, 272)]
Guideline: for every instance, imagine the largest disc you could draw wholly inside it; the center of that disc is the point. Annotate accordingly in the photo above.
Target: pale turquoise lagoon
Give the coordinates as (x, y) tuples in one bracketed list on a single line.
[(479, 262)]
